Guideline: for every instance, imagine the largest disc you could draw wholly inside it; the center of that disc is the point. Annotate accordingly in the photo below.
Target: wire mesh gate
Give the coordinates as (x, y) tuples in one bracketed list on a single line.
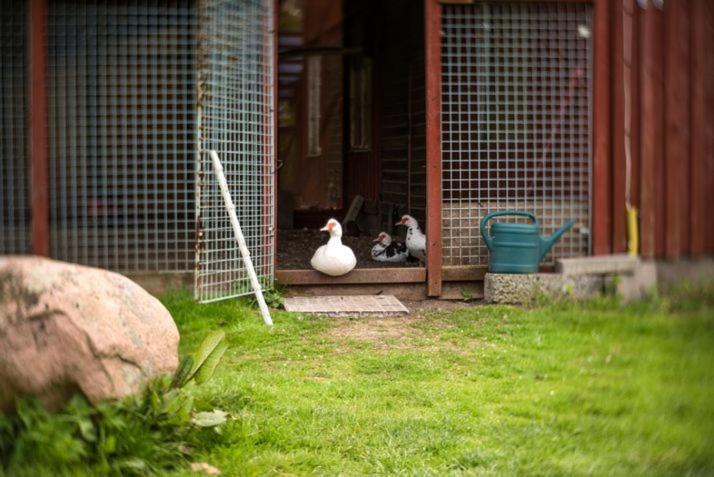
[(137, 92), (516, 120), (235, 116)]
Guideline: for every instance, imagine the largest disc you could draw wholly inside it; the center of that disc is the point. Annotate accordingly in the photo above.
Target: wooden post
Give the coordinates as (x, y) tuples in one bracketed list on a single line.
[(651, 131), (621, 70), (432, 53), (37, 142), (677, 146), (702, 134), (601, 184)]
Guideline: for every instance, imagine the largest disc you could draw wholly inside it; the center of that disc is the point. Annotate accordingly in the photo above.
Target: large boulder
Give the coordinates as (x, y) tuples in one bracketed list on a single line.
[(67, 328)]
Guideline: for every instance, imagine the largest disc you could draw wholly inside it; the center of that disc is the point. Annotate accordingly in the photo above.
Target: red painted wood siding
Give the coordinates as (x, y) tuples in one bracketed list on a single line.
[(672, 138)]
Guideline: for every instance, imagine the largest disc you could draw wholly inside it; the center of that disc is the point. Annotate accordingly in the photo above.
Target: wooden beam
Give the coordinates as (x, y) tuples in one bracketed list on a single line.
[(37, 139), (432, 62), (357, 276), (651, 128), (464, 273), (602, 184), (620, 70), (677, 136), (702, 133)]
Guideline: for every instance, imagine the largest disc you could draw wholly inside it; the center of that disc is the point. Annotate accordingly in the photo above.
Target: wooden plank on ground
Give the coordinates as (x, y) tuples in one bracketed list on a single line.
[(346, 305)]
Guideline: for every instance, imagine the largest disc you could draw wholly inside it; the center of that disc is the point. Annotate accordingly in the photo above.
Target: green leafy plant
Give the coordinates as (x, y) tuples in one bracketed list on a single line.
[(144, 434)]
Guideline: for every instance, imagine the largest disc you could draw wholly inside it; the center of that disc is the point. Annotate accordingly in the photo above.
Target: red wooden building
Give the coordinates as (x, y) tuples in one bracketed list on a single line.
[(445, 110)]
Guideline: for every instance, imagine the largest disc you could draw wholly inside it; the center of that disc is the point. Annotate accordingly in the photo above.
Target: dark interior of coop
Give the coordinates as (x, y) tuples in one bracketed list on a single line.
[(351, 124)]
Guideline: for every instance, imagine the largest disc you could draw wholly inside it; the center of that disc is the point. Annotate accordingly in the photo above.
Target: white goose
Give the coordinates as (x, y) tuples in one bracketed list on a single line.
[(416, 240), (333, 258), (388, 250)]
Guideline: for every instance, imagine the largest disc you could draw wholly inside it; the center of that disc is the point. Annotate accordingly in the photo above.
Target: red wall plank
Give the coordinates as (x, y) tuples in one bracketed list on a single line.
[(619, 234), (602, 193), (651, 132), (37, 130), (708, 74), (677, 116), (698, 93), (432, 38)]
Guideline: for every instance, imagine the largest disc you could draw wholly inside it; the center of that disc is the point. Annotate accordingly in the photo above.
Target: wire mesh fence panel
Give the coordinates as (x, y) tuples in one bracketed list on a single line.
[(14, 167), (122, 120), (516, 121), (236, 120)]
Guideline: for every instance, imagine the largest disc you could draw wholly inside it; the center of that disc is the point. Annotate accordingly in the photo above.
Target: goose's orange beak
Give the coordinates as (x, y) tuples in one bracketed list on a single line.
[(327, 227)]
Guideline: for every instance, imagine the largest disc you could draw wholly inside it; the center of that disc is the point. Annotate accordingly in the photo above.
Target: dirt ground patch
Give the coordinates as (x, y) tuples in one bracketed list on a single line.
[(383, 332), (390, 332)]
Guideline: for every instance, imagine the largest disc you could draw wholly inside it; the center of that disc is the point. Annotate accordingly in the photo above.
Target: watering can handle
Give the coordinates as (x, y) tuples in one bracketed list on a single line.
[(484, 222)]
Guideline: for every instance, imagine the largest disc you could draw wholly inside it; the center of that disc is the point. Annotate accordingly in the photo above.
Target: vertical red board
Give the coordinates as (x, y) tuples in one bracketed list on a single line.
[(619, 233), (636, 119), (677, 116), (651, 131), (37, 128), (602, 184), (702, 134), (432, 51)]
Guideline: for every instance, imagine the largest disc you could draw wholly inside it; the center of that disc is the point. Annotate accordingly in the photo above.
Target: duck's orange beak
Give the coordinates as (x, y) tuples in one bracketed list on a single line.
[(327, 227)]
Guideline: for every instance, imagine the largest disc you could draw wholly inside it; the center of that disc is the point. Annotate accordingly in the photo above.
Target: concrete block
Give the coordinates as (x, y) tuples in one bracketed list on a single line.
[(672, 273), (640, 283), (597, 265), (510, 288)]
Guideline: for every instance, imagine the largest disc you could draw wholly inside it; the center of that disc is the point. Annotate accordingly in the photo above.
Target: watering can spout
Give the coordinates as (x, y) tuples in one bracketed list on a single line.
[(546, 243)]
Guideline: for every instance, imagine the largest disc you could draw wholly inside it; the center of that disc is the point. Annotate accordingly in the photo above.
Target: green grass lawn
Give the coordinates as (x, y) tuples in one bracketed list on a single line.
[(592, 389)]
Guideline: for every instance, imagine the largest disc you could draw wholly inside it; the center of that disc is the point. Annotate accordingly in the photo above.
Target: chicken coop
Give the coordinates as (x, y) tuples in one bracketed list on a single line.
[(360, 110)]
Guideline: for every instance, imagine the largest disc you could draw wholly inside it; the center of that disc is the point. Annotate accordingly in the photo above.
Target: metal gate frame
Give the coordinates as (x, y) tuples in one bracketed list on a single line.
[(236, 118)]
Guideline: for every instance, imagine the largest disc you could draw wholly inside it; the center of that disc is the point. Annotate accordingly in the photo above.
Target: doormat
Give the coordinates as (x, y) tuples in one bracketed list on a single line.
[(347, 305)]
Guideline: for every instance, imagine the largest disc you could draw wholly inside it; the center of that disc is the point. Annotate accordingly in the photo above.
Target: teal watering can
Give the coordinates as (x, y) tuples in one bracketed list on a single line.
[(517, 248)]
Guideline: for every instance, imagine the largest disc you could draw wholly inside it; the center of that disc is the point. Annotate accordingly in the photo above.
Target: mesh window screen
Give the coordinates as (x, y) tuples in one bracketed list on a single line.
[(14, 172), (516, 121), (236, 120), (123, 133)]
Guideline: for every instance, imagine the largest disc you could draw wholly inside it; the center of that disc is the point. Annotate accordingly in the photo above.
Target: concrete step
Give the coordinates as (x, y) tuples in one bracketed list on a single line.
[(597, 265)]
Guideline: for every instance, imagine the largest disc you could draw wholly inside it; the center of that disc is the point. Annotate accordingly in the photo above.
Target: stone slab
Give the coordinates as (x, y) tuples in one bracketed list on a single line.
[(597, 265), (511, 288), (346, 305)]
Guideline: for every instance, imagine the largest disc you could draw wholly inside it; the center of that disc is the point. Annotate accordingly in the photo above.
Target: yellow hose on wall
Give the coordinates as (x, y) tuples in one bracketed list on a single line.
[(633, 235)]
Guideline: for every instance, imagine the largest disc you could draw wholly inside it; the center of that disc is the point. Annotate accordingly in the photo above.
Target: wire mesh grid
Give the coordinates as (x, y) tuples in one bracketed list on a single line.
[(14, 181), (122, 133), (516, 121), (236, 120)]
